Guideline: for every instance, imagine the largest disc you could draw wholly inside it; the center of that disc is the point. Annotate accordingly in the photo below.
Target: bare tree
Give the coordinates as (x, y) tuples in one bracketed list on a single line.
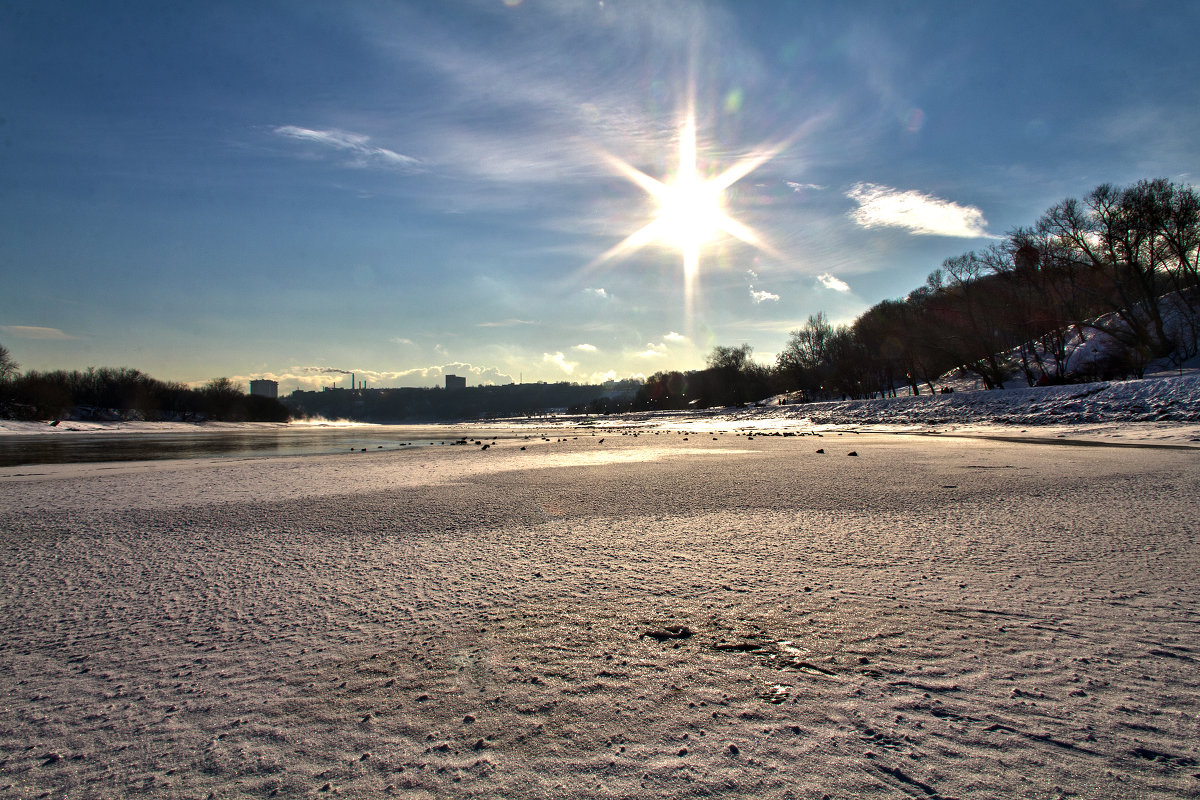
[(802, 361), (1171, 215), (906, 340), (1110, 235), (734, 358), (8, 367)]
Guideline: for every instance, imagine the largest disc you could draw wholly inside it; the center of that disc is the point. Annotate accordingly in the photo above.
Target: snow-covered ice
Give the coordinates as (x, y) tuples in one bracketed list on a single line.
[(937, 616)]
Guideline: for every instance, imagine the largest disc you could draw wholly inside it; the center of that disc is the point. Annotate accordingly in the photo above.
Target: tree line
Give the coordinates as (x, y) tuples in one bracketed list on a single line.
[(1123, 263), (437, 404), (122, 393)]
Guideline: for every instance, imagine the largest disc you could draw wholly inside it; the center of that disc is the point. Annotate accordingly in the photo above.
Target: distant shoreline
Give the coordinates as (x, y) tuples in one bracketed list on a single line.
[(1161, 410)]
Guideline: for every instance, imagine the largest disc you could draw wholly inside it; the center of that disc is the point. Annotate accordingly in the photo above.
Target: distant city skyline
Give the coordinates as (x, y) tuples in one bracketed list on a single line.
[(508, 189)]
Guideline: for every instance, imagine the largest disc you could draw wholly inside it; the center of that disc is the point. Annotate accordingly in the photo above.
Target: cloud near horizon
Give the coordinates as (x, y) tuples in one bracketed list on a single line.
[(315, 378), (34, 332), (653, 351), (660, 349), (920, 214), (362, 152), (560, 361)]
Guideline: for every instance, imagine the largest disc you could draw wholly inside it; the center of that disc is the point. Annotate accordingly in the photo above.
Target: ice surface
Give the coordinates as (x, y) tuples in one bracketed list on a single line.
[(953, 616), (957, 617)]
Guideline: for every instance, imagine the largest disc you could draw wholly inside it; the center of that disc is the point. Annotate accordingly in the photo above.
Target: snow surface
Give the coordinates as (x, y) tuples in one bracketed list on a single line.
[(936, 616), (1162, 409)]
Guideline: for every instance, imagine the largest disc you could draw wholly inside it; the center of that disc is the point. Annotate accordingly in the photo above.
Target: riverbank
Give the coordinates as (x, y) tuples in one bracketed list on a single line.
[(1163, 409)]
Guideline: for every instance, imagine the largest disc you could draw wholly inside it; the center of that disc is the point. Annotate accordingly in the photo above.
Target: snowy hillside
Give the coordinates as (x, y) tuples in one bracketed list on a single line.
[(1161, 408), (1170, 400)]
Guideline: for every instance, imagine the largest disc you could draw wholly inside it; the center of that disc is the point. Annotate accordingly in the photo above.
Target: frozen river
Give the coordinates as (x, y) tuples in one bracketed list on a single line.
[(89, 447), (931, 617)]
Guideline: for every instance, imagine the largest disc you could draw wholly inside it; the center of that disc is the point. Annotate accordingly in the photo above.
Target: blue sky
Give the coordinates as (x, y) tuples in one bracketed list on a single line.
[(401, 190)]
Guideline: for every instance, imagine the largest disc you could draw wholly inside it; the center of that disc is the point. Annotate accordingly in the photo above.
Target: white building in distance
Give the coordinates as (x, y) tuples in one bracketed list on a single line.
[(265, 388)]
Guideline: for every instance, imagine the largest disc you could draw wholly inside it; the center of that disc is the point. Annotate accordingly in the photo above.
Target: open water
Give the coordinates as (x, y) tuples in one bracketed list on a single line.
[(69, 448)]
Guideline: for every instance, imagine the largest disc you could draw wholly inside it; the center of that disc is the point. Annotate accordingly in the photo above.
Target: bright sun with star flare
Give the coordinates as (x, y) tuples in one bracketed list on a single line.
[(691, 207)]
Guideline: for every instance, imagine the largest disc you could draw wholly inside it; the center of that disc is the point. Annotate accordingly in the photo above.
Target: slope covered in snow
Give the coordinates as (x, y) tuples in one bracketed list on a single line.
[(1163, 408)]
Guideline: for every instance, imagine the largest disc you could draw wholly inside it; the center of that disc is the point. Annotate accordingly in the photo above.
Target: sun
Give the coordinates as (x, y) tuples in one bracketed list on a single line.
[(691, 209)]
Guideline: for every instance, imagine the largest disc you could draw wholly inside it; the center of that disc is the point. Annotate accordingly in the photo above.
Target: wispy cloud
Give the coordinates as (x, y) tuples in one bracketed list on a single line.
[(560, 361), (802, 187), (921, 214), (362, 153), (598, 292), (540, 96), (504, 323), (830, 282), (587, 348), (678, 338), (33, 332)]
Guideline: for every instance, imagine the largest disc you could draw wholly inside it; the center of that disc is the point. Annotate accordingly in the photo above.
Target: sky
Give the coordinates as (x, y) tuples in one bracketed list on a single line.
[(503, 189)]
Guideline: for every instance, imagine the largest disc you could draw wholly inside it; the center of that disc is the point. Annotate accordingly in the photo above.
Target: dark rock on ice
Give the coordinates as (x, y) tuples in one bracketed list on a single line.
[(669, 632)]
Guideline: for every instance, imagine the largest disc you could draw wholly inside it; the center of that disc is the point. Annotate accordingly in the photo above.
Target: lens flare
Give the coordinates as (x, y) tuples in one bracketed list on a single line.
[(691, 207)]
